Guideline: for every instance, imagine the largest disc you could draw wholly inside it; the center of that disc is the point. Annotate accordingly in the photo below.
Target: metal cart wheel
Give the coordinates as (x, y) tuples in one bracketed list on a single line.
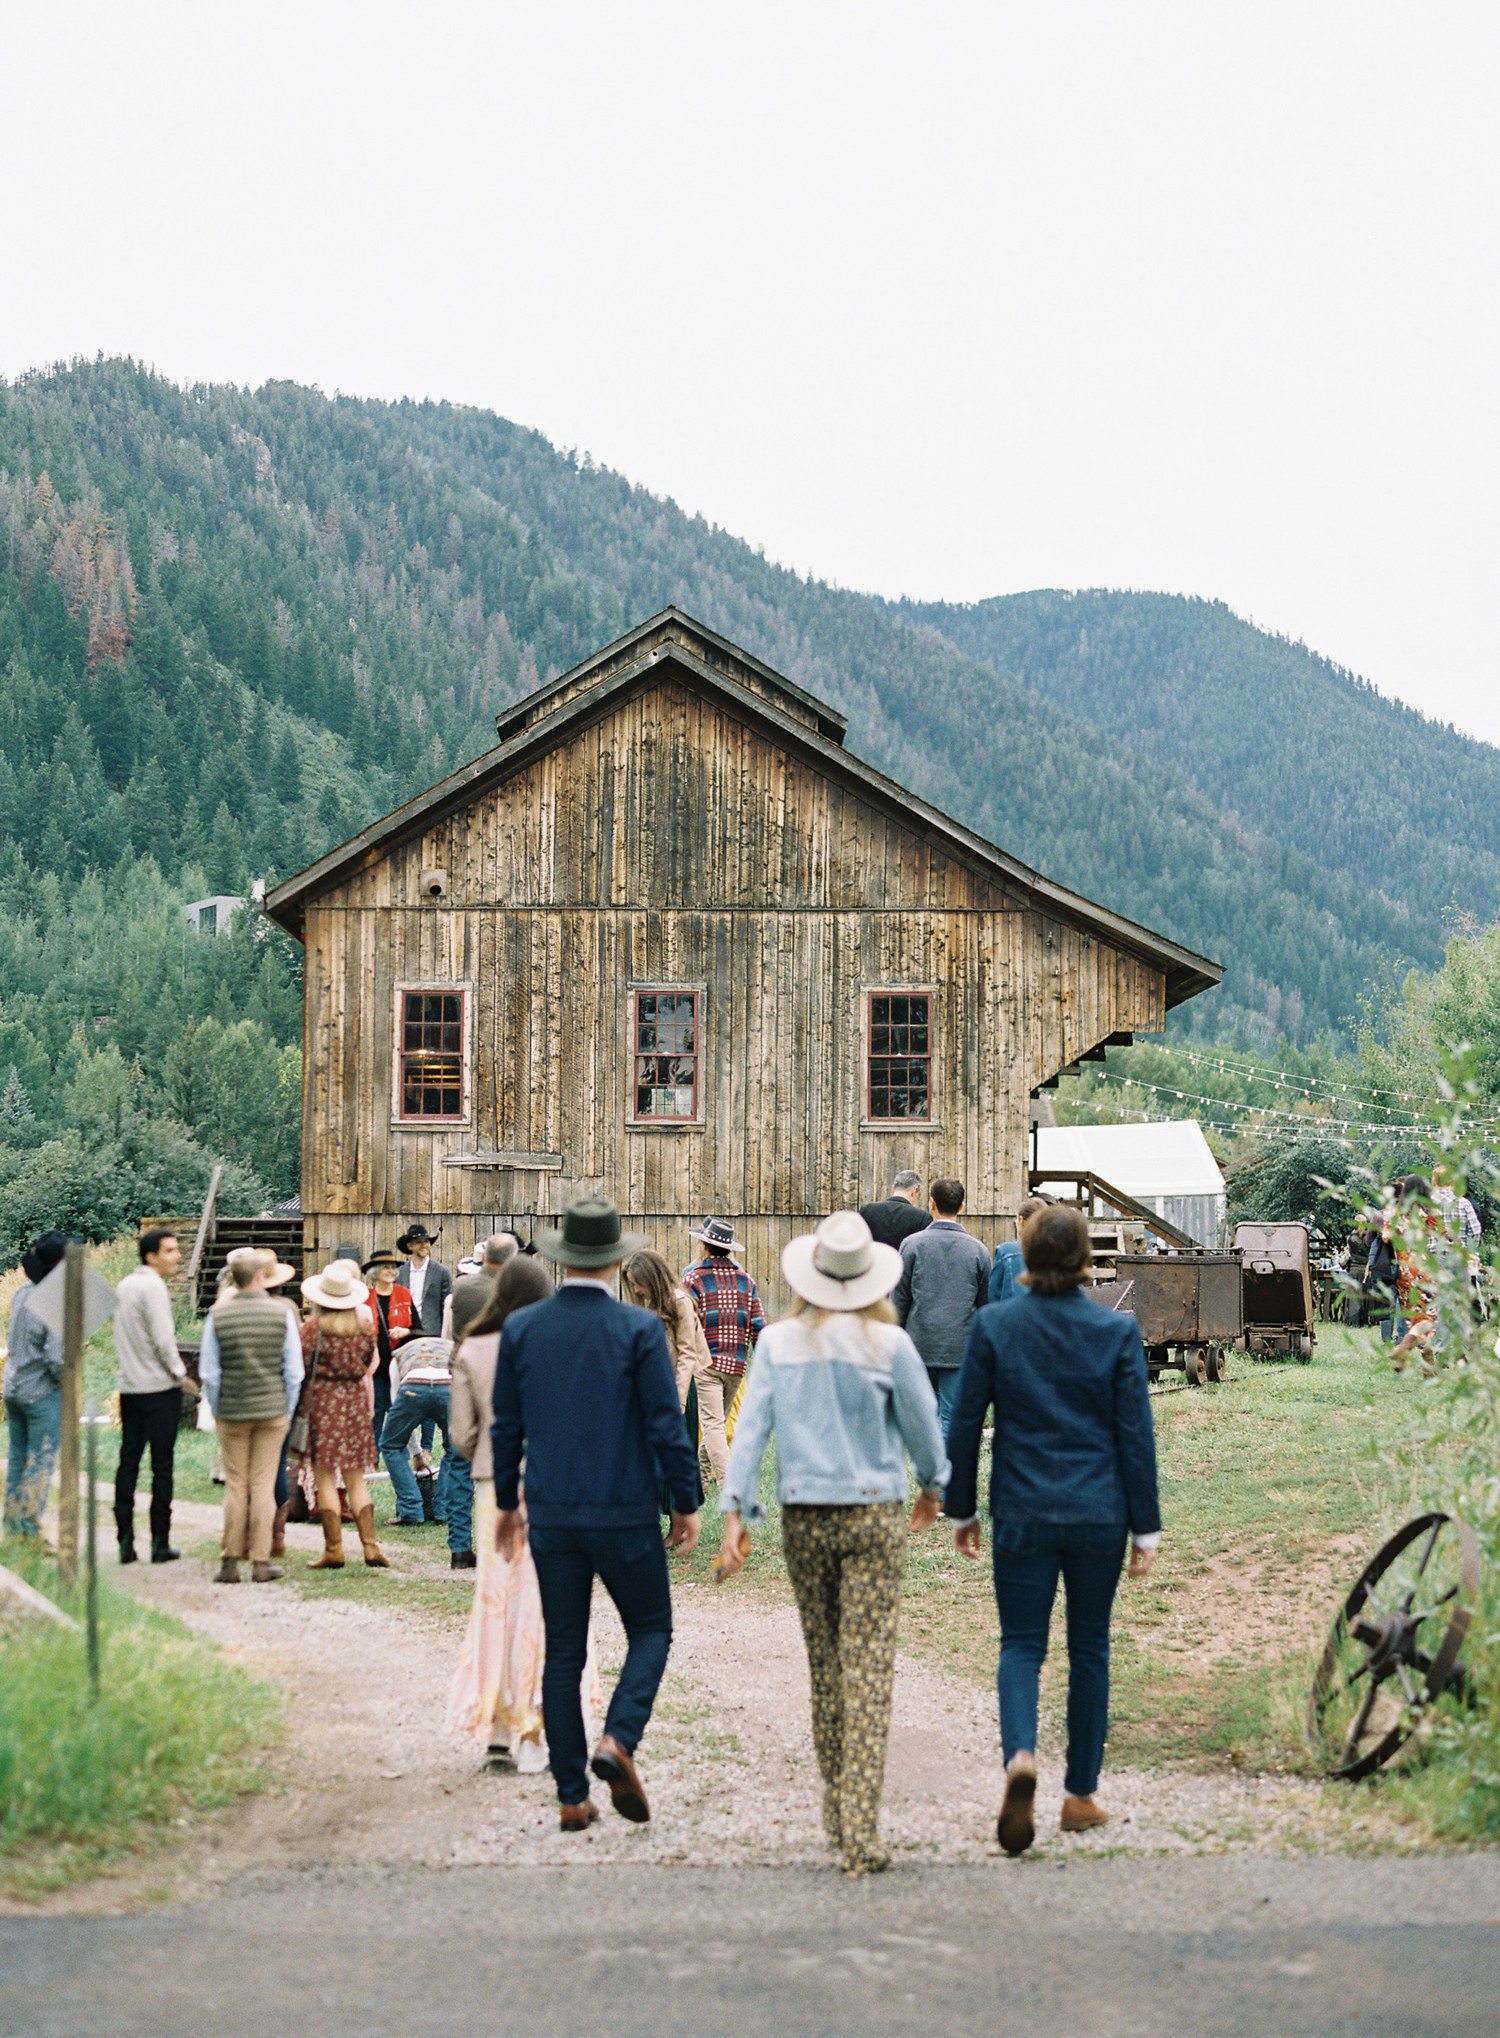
[(1195, 1366), (1218, 1364), (1395, 1645)]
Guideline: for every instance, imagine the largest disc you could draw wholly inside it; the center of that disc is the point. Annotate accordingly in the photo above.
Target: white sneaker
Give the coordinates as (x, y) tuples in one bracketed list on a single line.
[(531, 1758)]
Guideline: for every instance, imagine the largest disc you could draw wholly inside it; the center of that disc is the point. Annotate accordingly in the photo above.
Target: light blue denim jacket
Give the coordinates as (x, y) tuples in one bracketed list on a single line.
[(847, 1401)]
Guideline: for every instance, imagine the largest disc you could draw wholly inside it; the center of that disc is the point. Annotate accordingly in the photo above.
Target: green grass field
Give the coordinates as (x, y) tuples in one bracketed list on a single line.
[(83, 1782)]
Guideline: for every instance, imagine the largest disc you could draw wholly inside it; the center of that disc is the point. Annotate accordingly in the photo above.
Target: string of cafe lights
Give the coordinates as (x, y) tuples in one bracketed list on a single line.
[(1303, 1120), (1344, 1090)]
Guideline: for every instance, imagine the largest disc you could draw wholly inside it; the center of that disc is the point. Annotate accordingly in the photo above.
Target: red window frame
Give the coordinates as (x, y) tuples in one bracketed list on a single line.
[(661, 1041), (432, 1054), (895, 1068)]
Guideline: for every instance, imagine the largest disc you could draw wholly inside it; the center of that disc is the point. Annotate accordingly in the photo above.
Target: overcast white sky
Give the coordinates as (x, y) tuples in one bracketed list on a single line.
[(927, 299)]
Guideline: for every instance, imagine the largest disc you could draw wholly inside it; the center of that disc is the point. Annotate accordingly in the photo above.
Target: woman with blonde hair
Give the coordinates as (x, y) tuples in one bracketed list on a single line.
[(340, 1355), (843, 1389), (496, 1695), (650, 1283)]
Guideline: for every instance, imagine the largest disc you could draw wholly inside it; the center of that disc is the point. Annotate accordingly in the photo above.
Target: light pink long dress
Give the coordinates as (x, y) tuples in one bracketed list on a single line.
[(496, 1695)]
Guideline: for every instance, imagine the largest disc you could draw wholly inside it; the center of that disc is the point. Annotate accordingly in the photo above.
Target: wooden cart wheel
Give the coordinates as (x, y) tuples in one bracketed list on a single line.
[(1394, 1646), (1196, 1367)]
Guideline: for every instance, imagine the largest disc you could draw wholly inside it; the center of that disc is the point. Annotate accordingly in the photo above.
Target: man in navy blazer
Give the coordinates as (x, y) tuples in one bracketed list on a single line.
[(584, 1389), (1072, 1477)]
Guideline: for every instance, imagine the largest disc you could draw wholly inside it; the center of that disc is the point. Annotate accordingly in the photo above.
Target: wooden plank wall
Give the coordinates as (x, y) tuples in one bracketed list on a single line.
[(670, 842)]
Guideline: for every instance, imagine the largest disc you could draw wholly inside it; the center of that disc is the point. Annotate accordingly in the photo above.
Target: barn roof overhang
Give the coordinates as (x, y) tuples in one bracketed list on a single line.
[(1186, 973)]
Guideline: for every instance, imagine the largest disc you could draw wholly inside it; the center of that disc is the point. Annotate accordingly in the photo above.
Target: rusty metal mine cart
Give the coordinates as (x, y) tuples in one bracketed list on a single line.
[(1278, 1296), (1187, 1304)]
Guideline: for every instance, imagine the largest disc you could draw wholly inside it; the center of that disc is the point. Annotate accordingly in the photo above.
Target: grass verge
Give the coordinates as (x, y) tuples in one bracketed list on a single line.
[(175, 1730)]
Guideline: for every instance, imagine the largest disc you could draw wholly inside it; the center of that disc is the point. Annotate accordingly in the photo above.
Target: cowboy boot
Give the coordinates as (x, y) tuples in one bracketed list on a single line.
[(374, 1555), (278, 1531), (332, 1558)]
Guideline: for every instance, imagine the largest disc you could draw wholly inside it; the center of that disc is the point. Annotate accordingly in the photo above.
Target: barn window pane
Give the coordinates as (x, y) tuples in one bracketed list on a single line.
[(431, 1034), (666, 1055), (899, 1055)]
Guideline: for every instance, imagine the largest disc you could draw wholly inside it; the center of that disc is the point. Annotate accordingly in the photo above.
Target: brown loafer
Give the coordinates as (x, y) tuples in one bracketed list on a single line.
[(577, 1818), (612, 1765), (1079, 1814), (1015, 1828)]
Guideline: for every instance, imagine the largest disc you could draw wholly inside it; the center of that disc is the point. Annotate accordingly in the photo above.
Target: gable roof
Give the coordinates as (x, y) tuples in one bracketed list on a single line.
[(803, 724)]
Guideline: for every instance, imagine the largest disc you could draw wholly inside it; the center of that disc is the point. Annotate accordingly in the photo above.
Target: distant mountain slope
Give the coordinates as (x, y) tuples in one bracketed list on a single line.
[(235, 625), (1282, 739)]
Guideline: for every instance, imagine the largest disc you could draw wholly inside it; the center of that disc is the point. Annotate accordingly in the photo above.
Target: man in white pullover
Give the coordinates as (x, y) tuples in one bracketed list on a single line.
[(151, 1377)]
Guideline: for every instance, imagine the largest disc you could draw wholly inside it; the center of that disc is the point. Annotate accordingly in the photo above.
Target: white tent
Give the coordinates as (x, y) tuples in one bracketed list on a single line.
[(1166, 1164)]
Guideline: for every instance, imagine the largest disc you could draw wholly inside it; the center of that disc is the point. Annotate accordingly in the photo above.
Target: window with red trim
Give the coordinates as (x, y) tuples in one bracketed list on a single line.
[(665, 1056), (898, 1059), (430, 1070)]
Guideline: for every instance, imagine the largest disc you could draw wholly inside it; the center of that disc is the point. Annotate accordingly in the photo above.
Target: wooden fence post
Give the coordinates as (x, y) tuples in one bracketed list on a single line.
[(72, 1412)]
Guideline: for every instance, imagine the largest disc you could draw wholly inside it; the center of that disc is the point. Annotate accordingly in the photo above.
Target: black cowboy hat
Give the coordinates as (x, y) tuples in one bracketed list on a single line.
[(42, 1256), (418, 1232), (383, 1257), (718, 1235), (590, 1236)]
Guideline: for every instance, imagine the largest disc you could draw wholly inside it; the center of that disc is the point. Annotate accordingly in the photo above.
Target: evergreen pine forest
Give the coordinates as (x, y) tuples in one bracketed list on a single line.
[(235, 626)]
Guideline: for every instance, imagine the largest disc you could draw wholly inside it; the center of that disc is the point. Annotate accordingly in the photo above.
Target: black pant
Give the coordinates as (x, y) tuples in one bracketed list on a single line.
[(147, 1419)]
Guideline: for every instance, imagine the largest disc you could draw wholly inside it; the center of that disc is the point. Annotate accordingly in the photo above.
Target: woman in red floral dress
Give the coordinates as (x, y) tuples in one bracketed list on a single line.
[(339, 1352)]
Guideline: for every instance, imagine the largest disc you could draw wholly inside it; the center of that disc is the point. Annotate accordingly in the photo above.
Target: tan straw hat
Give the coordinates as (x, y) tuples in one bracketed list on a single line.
[(337, 1287), (840, 1266)]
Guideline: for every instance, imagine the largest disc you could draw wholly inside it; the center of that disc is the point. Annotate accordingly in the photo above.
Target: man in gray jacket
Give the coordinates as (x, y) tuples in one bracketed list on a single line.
[(151, 1377), (945, 1277)]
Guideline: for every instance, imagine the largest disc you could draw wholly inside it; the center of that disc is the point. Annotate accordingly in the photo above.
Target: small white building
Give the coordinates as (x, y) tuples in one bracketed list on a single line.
[(1165, 1164)]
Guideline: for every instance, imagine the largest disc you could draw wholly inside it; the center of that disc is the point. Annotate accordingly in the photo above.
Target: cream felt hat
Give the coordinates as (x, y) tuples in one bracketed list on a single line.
[(840, 1266), (337, 1287)]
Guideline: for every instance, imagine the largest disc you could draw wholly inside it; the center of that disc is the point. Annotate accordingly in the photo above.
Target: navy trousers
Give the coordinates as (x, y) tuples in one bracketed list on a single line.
[(1030, 1557), (632, 1562)]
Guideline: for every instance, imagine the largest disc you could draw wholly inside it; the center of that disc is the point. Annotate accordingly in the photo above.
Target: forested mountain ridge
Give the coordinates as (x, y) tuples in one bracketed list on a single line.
[(236, 625), (1285, 741)]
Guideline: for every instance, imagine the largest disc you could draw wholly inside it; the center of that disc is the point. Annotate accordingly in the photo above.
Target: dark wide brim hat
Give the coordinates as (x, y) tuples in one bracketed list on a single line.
[(590, 1236), (419, 1232), (384, 1258), (717, 1233)]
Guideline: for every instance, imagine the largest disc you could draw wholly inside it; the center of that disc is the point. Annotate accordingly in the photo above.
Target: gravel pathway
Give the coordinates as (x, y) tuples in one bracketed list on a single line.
[(368, 1772)]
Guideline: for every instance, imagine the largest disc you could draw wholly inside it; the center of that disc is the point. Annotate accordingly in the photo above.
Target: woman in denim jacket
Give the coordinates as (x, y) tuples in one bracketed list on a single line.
[(847, 1397)]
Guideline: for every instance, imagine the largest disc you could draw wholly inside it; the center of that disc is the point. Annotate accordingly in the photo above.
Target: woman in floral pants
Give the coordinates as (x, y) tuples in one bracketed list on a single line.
[(847, 1397)]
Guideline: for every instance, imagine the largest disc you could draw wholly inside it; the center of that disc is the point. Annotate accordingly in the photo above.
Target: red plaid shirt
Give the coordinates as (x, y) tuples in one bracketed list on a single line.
[(725, 1298)]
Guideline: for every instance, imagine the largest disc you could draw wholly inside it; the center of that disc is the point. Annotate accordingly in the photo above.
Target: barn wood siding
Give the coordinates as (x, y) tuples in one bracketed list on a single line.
[(668, 841)]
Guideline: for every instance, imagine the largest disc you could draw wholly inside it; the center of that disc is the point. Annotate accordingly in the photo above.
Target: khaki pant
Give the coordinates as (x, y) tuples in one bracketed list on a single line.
[(716, 1393), (251, 1452)]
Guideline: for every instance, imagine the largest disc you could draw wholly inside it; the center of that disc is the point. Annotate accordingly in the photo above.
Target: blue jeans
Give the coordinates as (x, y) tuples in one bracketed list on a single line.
[(633, 1565), (35, 1430), (1030, 1557), (427, 1401), (945, 1386), (382, 1386)]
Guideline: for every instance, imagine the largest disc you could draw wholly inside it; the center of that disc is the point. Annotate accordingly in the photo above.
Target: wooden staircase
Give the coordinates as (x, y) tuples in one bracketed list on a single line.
[(1117, 1222), (280, 1235), (214, 1238)]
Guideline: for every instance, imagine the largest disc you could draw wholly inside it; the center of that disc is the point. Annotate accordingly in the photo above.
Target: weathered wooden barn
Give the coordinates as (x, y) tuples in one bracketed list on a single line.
[(670, 938)]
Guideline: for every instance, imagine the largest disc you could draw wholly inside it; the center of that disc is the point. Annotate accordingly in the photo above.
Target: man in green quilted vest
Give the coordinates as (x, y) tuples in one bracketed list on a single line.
[(251, 1368)]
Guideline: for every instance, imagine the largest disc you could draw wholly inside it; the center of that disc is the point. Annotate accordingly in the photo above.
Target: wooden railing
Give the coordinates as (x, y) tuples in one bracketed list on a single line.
[(1092, 1189), (204, 1233)]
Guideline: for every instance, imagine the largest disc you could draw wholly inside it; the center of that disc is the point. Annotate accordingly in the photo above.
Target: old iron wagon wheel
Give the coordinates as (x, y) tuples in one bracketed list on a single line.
[(1218, 1363), (1195, 1366), (1394, 1646)]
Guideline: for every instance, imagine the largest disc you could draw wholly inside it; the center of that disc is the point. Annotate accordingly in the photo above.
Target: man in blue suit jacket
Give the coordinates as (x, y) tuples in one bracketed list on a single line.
[(584, 1388), (1072, 1476)]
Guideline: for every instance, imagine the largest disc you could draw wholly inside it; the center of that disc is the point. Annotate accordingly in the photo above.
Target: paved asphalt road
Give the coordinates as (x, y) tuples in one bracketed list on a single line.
[(1201, 1945)]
